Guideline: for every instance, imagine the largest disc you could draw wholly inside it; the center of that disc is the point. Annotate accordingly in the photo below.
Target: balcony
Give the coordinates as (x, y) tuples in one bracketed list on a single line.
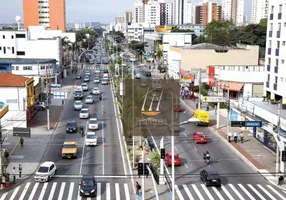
[(270, 33), (267, 84), (279, 15), (276, 52), (271, 16), (275, 69), (268, 68), (269, 51), (275, 86), (277, 34)]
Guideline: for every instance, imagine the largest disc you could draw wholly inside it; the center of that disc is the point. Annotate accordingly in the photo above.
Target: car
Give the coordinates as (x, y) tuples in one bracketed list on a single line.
[(90, 139), (69, 150), (45, 172), (78, 95), (148, 74), (71, 127), (177, 108), (78, 76), (96, 79), (200, 137), (84, 113), (97, 71), (168, 159), (84, 86), (87, 186), (104, 81), (93, 124), (77, 105), (40, 106), (86, 79), (105, 71), (96, 91), (89, 99), (87, 73), (137, 76), (210, 177)]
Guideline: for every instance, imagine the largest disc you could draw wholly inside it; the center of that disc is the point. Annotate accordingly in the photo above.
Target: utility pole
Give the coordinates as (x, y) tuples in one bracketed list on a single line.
[(133, 116), (47, 98), (1, 147), (228, 110), (278, 141), (173, 150), (200, 81)]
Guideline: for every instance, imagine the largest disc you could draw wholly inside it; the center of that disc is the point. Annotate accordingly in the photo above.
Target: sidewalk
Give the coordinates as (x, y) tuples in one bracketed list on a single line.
[(252, 150)]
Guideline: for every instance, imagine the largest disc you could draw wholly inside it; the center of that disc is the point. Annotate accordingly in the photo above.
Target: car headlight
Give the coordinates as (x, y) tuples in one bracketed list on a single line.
[(92, 191), (74, 128), (64, 154), (67, 129), (81, 190)]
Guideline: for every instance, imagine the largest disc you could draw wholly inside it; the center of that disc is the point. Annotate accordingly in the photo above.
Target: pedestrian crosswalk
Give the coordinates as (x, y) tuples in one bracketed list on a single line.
[(229, 192), (67, 191), (93, 67), (142, 68)]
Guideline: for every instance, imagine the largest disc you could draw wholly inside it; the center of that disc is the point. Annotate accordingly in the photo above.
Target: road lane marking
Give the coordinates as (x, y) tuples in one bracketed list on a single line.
[(52, 192), (227, 193), (103, 143), (24, 191), (256, 192), (217, 193), (63, 185), (185, 134), (236, 192), (179, 193), (43, 191), (175, 148), (15, 192), (186, 165), (266, 192), (34, 191), (117, 192), (98, 191), (96, 176), (197, 192), (82, 155), (78, 193), (126, 189), (70, 191), (246, 192), (195, 148), (188, 192), (275, 191), (107, 191), (207, 192), (4, 196)]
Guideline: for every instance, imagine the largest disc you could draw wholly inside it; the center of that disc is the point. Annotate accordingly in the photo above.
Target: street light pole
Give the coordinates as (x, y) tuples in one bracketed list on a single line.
[(228, 110), (278, 141), (47, 100), (173, 151), (133, 116), (200, 82)]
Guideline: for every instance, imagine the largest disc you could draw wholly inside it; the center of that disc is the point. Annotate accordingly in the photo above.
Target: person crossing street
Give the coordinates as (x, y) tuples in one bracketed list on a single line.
[(21, 142)]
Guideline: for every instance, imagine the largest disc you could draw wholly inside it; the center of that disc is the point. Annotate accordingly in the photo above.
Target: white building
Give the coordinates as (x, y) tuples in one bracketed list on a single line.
[(239, 13), (233, 10), (152, 13), (226, 9), (138, 12), (188, 13), (178, 11), (275, 55), (119, 20), (135, 32), (78, 26), (259, 10), (169, 13)]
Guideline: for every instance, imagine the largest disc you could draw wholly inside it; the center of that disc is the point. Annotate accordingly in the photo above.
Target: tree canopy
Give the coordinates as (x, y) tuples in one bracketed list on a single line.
[(177, 30)]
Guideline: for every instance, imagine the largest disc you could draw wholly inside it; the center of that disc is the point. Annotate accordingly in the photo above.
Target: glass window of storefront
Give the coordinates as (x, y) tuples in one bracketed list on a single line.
[(271, 141), (260, 134)]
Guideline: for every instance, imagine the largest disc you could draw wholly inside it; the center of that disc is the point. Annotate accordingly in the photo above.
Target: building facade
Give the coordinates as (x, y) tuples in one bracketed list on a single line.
[(226, 9), (119, 20), (138, 12), (152, 13), (128, 16), (169, 13), (163, 14), (275, 55), (188, 13), (178, 11), (233, 10), (135, 31), (207, 12), (49, 13), (259, 10)]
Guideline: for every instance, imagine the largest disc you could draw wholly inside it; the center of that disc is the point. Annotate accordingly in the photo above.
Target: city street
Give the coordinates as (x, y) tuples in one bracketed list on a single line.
[(105, 162)]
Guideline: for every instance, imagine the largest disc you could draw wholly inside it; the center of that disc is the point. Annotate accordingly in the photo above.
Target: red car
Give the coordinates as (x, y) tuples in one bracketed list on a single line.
[(168, 159), (177, 108), (200, 137)]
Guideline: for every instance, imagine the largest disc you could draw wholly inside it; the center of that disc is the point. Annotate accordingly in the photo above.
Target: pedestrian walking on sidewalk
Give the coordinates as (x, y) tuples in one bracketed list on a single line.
[(20, 170), (14, 175), (21, 141), (138, 188), (241, 136), (6, 154), (3, 181), (235, 137), (229, 135)]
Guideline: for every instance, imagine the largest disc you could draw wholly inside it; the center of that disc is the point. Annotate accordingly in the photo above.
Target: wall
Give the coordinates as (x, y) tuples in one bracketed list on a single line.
[(30, 12), (57, 15), (174, 63), (15, 96)]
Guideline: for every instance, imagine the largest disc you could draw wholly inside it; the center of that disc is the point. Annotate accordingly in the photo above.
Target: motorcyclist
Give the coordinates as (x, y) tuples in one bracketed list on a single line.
[(207, 155), (81, 130)]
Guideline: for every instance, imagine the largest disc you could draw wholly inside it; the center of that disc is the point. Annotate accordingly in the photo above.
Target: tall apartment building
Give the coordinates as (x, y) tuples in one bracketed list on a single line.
[(169, 13), (259, 10), (138, 12), (128, 16), (275, 55), (188, 13), (207, 12), (49, 13), (119, 20), (152, 13), (178, 12), (226, 9), (233, 10), (162, 13)]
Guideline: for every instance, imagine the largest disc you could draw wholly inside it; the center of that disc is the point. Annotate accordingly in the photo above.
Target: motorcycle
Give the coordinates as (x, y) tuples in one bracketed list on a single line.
[(207, 158), (81, 131)]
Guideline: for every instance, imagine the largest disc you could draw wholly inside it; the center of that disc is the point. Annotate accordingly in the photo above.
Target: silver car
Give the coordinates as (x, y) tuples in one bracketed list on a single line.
[(96, 91), (77, 105), (86, 79), (84, 113), (84, 86), (89, 99)]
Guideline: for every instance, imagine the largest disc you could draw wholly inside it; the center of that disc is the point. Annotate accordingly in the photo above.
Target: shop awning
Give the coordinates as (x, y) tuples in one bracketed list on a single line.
[(186, 74), (233, 86)]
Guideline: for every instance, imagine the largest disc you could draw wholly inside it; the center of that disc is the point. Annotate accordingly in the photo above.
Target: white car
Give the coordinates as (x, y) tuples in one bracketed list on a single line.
[(91, 139), (104, 81), (89, 99), (96, 80), (93, 124), (77, 105), (84, 113), (96, 91), (87, 73), (45, 172), (84, 86), (138, 76)]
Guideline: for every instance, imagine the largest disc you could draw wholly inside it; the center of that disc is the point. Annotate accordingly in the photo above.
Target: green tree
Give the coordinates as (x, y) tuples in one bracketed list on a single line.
[(155, 159), (177, 30)]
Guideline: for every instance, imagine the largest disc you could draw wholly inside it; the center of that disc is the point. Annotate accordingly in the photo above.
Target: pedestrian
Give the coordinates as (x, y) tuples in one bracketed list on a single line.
[(20, 170), (14, 175), (208, 107), (235, 137), (281, 180), (138, 188), (241, 136), (63, 102), (229, 134), (21, 142), (3, 181), (197, 104), (6, 154)]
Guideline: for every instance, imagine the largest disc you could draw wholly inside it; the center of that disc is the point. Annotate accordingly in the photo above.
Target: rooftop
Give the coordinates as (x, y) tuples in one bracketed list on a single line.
[(273, 108), (12, 80), (26, 60), (210, 46)]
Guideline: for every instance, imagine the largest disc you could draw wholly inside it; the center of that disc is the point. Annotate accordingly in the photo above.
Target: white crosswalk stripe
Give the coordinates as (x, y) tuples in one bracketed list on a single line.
[(62, 191), (188, 192), (70, 191), (52, 191), (246, 192), (25, 191), (43, 191), (266, 192), (179, 193), (227, 193), (14, 193), (256, 192), (34, 191), (98, 193), (207, 192), (117, 191), (108, 191), (277, 193), (217, 193), (126, 189), (236, 192), (198, 192)]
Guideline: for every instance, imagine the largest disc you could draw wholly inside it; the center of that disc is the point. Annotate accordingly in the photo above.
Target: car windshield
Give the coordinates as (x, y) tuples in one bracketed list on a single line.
[(96, 77), (201, 136), (95, 89), (176, 157), (78, 103), (67, 146), (89, 97), (87, 182), (84, 85), (91, 136), (93, 121), (43, 169), (71, 123), (84, 111), (213, 176)]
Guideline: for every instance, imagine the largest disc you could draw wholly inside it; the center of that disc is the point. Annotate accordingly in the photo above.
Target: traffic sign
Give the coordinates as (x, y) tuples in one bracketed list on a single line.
[(213, 99), (246, 123)]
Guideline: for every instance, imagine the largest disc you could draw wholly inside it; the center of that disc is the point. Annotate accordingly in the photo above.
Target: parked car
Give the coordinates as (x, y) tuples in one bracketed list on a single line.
[(71, 127), (210, 177), (91, 139), (87, 186), (89, 99), (45, 172), (93, 124), (200, 137), (137, 76), (168, 159), (77, 105), (69, 150), (78, 76), (148, 73), (84, 113)]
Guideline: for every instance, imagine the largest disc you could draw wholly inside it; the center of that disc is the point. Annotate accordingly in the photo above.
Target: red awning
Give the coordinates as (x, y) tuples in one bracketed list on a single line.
[(186, 74), (233, 86)]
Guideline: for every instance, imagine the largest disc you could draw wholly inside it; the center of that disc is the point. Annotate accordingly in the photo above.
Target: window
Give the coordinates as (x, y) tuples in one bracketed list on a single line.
[(17, 67), (20, 36), (4, 50), (282, 61), (283, 44), (268, 77), (27, 68), (281, 79), (277, 62), (280, 8), (278, 44), (3, 36), (42, 67), (271, 26), (13, 50), (12, 68), (20, 53), (269, 61), (12, 36), (276, 79), (272, 9), (279, 26)]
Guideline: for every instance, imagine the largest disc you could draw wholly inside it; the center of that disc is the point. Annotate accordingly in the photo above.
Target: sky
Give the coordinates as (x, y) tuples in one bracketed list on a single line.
[(78, 11)]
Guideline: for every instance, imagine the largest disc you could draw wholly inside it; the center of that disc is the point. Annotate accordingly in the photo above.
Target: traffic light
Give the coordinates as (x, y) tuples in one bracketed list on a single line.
[(284, 155), (162, 153), (140, 169), (116, 70)]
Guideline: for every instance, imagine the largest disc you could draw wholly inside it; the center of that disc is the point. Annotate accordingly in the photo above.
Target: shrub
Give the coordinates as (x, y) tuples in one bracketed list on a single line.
[(155, 159)]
